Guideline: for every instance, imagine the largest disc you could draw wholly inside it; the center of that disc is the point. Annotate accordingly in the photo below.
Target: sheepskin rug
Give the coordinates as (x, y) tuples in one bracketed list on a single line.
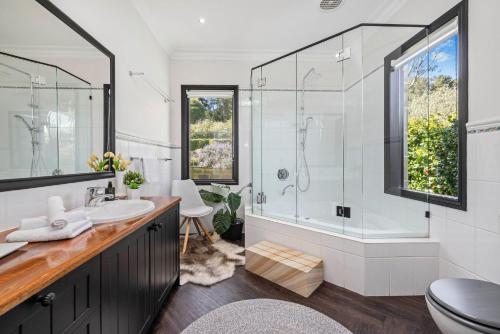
[(206, 264)]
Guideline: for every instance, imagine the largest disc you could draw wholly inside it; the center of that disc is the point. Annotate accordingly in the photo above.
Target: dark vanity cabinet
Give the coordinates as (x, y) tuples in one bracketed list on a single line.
[(138, 273), (70, 305), (120, 291)]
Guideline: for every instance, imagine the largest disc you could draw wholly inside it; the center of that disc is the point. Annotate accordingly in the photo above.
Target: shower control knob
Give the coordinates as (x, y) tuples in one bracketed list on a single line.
[(283, 174)]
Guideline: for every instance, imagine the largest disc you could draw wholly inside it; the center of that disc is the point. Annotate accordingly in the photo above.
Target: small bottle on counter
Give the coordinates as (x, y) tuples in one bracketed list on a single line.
[(111, 191)]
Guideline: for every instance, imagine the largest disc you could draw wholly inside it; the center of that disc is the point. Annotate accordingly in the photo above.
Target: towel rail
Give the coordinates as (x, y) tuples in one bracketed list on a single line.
[(142, 159)]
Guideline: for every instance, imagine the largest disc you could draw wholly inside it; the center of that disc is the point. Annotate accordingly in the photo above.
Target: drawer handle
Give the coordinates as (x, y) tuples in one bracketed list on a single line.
[(47, 299), (155, 227)]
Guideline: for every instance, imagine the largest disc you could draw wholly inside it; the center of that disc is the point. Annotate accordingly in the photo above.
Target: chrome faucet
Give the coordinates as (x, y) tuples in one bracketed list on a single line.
[(96, 195), (286, 188)]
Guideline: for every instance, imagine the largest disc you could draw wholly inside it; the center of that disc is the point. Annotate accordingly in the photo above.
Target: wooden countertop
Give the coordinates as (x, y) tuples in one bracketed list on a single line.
[(37, 265)]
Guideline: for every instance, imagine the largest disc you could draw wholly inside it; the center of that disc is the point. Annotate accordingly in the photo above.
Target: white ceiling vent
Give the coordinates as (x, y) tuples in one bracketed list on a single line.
[(330, 4)]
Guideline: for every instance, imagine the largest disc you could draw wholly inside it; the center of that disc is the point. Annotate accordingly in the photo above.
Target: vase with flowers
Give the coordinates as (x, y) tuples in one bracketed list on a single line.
[(120, 165)]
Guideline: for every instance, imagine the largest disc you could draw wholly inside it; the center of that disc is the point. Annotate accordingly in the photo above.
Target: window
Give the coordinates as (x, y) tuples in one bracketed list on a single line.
[(426, 113), (210, 134)]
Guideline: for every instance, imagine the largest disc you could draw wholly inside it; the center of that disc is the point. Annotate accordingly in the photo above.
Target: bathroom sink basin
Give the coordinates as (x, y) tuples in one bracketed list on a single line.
[(119, 210)]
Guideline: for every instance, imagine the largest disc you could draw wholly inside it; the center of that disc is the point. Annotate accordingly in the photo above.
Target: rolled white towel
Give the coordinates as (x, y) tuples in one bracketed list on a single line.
[(35, 222), (57, 216), (76, 216), (48, 233)]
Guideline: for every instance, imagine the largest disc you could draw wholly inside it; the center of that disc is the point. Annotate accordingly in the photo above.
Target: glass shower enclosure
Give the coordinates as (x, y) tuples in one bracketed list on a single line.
[(318, 137), (46, 115)]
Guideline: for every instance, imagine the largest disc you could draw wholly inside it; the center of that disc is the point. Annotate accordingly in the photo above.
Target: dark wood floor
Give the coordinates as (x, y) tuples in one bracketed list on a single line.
[(360, 314)]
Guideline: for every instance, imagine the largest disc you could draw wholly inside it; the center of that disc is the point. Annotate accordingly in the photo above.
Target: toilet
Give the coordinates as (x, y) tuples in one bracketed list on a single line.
[(464, 306)]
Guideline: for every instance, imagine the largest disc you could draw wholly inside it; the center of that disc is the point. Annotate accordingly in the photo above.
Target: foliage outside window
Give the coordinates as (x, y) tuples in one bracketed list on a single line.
[(426, 111), (209, 133)]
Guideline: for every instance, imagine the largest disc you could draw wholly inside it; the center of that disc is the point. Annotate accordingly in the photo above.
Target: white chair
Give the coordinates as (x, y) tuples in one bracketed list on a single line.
[(191, 208)]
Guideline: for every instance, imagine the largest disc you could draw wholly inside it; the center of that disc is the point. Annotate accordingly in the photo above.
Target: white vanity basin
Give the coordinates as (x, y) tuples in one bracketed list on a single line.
[(119, 210)]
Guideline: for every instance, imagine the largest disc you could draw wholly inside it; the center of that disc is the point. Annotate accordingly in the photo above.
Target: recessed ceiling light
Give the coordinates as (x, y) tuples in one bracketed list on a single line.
[(202, 20)]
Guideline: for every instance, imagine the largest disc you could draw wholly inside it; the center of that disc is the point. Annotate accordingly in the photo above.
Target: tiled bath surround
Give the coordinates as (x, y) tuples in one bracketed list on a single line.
[(371, 267)]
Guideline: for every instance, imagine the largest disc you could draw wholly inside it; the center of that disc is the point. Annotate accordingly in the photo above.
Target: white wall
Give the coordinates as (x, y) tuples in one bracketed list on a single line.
[(139, 110), (470, 241), (119, 27)]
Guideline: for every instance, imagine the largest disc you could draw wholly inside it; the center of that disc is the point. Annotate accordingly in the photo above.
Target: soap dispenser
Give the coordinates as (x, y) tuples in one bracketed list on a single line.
[(111, 191)]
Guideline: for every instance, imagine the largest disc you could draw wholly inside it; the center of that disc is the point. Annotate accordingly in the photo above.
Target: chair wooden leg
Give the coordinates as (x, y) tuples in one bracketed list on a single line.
[(197, 227), (204, 230), (186, 236), (183, 221)]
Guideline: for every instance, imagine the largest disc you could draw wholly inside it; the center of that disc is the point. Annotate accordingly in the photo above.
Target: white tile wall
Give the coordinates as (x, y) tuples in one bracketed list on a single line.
[(368, 267), (18, 204), (470, 241)]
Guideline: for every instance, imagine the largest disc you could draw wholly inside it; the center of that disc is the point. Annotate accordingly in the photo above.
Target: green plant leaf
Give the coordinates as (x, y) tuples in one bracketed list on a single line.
[(211, 197), (221, 221), (233, 201)]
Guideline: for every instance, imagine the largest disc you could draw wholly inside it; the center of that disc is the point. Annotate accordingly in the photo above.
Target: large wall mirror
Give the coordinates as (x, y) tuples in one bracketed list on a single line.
[(56, 97)]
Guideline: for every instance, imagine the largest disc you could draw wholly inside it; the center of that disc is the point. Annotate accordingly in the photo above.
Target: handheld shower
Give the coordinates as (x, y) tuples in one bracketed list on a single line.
[(303, 174)]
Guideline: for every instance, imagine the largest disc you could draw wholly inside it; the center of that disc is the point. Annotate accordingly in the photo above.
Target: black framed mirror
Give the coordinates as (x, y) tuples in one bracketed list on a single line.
[(57, 98)]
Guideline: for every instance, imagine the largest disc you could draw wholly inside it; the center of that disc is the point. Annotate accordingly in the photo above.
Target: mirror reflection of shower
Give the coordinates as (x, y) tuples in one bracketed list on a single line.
[(303, 173), (31, 121)]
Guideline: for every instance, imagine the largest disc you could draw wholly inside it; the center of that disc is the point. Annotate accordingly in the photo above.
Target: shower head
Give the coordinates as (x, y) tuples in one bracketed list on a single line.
[(330, 4), (312, 72), (31, 128)]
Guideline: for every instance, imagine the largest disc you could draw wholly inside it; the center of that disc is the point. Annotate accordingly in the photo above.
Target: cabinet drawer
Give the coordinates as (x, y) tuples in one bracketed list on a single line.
[(60, 308)]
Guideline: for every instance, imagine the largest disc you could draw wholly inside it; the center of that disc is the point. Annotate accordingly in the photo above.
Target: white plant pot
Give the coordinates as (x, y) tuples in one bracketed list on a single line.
[(121, 189), (133, 193)]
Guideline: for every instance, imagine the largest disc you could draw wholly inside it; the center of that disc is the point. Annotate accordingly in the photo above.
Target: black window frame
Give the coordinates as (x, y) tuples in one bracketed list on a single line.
[(185, 133), (393, 125)]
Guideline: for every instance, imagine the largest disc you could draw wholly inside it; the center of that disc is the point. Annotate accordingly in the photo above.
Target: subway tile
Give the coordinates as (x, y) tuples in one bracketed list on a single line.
[(333, 261), (450, 270), (354, 273), (458, 244), (485, 198), (377, 277), (401, 277), (425, 271), (487, 252), (487, 158)]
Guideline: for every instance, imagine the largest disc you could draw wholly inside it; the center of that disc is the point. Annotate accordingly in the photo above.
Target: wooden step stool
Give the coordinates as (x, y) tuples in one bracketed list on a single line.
[(289, 268)]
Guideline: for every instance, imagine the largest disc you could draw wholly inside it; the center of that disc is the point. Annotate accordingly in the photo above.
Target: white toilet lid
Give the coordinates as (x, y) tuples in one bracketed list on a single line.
[(474, 300)]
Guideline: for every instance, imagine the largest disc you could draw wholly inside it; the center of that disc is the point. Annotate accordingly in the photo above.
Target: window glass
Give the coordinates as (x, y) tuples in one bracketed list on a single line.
[(211, 146), (428, 99)]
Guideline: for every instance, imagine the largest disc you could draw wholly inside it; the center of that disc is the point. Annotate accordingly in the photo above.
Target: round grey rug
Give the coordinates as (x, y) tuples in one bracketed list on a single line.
[(265, 316)]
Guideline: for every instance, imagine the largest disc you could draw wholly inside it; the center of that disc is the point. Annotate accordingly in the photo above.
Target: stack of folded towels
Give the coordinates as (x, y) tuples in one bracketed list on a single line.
[(57, 225)]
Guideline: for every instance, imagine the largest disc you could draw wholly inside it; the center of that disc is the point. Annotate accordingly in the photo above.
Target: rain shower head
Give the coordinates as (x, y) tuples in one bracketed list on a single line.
[(330, 4)]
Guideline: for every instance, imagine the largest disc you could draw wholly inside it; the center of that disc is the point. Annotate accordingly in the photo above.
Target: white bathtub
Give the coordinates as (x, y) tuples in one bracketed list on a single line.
[(371, 267), (372, 232)]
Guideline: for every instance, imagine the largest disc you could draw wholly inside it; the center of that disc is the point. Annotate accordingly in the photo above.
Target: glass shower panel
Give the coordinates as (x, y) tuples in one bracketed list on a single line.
[(386, 215), (320, 136), (46, 111), (256, 99), (16, 117), (74, 122), (279, 136), (351, 58)]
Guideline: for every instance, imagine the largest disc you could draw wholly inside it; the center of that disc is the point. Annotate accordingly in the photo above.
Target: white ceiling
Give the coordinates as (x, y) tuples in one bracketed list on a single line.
[(265, 25)]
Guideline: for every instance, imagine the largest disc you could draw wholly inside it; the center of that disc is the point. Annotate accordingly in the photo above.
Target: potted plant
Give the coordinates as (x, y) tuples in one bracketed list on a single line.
[(133, 181), (120, 165), (225, 221)]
